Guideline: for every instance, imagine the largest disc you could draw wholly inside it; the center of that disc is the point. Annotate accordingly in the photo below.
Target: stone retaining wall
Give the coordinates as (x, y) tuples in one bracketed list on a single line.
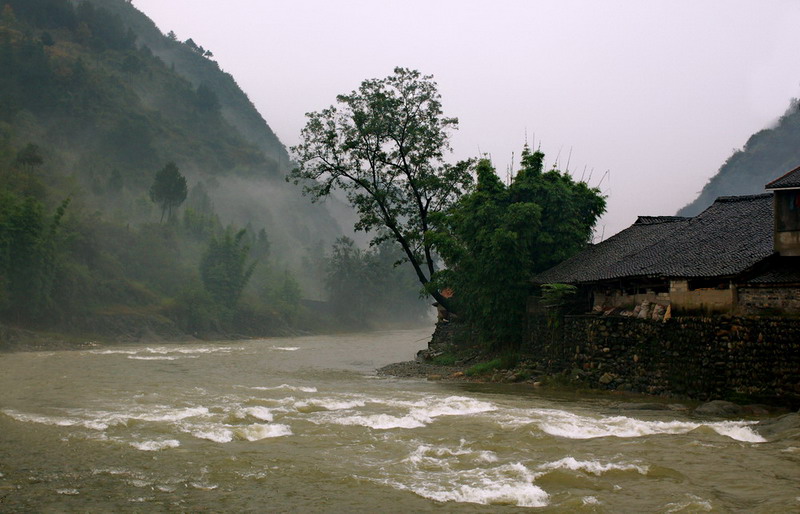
[(703, 358), (757, 300)]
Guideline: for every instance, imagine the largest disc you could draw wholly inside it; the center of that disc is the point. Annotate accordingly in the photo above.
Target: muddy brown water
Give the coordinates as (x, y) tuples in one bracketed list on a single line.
[(304, 424)]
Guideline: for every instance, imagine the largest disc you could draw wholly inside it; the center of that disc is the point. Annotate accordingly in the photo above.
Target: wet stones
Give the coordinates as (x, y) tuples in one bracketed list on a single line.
[(700, 357)]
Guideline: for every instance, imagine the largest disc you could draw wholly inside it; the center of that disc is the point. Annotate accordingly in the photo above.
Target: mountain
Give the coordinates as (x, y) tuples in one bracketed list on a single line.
[(94, 101), (98, 87), (190, 62), (767, 155)]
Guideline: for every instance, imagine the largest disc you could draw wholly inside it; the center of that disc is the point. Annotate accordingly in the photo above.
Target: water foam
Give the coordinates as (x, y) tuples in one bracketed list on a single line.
[(152, 446), (141, 353), (285, 348), (258, 432), (510, 484), (420, 413), (288, 387), (593, 467), (156, 358), (330, 404), (262, 413), (573, 426), (738, 430), (216, 434), (113, 352)]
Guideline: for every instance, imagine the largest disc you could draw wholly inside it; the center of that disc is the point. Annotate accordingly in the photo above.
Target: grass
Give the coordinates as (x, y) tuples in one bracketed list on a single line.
[(503, 362), (446, 359)]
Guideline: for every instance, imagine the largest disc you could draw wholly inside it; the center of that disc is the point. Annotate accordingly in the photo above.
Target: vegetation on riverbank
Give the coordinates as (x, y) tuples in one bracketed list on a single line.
[(142, 195)]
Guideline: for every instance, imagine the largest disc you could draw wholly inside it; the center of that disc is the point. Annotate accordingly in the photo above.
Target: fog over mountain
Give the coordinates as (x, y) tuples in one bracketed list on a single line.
[(658, 93), (142, 192)]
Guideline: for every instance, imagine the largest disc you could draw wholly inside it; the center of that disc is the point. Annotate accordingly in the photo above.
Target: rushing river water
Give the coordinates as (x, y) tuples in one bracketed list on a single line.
[(304, 424)]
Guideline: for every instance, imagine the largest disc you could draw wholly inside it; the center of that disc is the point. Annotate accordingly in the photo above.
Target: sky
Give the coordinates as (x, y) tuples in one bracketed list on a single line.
[(644, 99)]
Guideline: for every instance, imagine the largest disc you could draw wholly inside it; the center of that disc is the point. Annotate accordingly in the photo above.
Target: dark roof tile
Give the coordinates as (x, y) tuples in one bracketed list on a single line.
[(729, 237), (790, 180), (783, 270)]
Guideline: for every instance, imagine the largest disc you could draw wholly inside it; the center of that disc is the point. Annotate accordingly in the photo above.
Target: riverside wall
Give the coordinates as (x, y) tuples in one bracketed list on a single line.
[(698, 357)]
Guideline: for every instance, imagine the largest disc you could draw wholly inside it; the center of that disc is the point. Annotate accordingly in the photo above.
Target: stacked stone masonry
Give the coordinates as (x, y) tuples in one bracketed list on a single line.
[(702, 358), (756, 300)]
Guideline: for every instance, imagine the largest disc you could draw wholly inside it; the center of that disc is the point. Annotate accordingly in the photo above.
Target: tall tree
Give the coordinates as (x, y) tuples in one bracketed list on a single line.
[(384, 146), (224, 268), (169, 189), (497, 237)]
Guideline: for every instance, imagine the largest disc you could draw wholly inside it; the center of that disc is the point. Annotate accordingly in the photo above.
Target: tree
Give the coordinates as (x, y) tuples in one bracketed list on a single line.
[(357, 281), (384, 145), (497, 237), (350, 282), (29, 244), (169, 189), (224, 268), (30, 156), (205, 99)]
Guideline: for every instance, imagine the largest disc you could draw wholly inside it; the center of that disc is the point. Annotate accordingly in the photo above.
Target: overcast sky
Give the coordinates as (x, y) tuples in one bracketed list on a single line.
[(657, 92)]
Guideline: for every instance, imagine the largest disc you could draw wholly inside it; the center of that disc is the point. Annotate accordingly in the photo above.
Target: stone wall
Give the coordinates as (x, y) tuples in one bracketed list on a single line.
[(758, 300), (703, 358)]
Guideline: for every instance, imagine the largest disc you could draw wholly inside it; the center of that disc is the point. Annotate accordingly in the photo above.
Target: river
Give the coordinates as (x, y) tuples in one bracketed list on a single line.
[(304, 424)]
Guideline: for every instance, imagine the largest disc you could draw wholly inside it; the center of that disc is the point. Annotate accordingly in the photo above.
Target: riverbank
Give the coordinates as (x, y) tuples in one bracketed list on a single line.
[(769, 417)]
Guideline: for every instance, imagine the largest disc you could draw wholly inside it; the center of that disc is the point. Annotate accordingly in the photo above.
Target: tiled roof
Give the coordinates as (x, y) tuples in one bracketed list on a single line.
[(783, 270), (791, 180), (727, 238)]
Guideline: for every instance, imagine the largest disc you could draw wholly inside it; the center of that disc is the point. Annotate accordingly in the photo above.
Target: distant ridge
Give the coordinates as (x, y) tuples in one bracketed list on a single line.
[(768, 154), (236, 107)]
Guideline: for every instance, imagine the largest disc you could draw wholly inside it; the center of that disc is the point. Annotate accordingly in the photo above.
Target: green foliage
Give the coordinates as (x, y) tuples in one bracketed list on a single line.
[(366, 288), (206, 99), (446, 359), (103, 112), (224, 268), (497, 237), (29, 156), (28, 260), (556, 295), (506, 361), (169, 189), (384, 145), (195, 311)]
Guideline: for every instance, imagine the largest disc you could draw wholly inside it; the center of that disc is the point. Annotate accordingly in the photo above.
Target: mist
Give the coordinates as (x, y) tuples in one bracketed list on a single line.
[(655, 93)]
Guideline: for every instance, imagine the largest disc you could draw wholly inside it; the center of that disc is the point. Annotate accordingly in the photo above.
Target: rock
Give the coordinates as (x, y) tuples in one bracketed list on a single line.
[(607, 378), (640, 406), (756, 410), (434, 377), (719, 408), (677, 406), (457, 374), (784, 427)]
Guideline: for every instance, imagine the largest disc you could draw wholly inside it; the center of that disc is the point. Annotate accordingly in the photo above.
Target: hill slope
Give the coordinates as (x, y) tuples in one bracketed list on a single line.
[(110, 99), (767, 155), (94, 101)]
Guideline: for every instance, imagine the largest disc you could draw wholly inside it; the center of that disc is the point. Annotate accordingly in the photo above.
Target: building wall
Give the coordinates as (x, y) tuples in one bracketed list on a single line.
[(699, 357), (706, 300), (615, 299), (788, 243), (786, 209)]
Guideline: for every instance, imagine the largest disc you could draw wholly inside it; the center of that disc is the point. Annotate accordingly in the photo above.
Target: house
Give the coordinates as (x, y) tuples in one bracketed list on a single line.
[(739, 256)]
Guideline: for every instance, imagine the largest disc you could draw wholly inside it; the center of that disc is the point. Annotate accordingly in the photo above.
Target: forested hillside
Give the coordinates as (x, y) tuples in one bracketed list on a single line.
[(767, 155), (97, 107)]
